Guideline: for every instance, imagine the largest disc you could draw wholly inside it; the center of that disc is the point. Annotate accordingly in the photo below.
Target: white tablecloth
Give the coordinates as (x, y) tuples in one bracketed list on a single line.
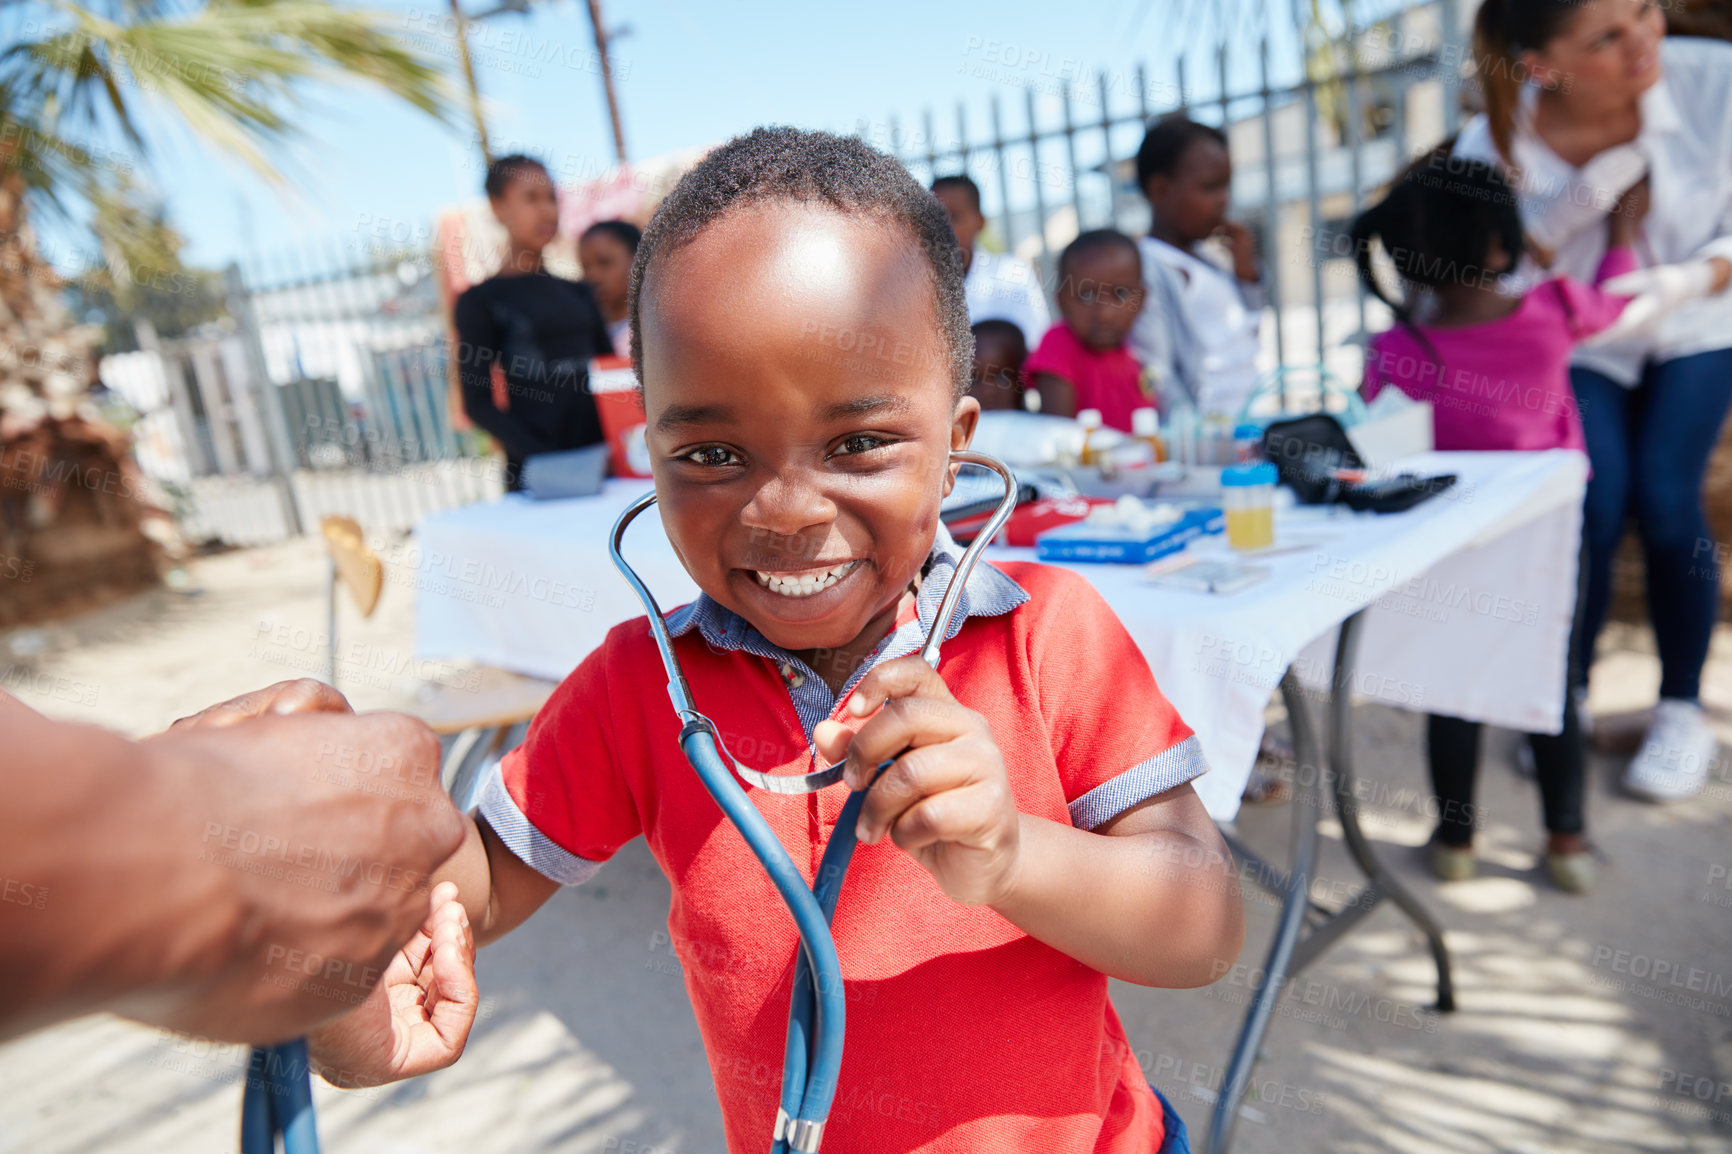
[(1470, 597)]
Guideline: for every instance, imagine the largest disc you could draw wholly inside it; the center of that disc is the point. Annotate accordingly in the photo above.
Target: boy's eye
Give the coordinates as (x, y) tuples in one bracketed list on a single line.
[(861, 443), (712, 456)]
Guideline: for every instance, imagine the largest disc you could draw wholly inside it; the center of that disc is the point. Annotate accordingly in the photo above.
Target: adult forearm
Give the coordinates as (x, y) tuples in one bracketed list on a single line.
[(100, 900), (217, 878), (1158, 909)]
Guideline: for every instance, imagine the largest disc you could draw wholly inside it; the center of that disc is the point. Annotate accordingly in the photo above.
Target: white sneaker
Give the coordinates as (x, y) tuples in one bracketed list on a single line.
[(1675, 757)]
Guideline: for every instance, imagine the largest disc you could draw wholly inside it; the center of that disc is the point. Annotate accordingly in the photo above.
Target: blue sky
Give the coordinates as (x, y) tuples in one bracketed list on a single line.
[(689, 73)]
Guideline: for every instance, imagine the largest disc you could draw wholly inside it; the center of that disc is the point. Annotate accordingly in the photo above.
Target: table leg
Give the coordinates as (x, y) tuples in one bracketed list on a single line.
[(1379, 882), (1306, 804), (1289, 953)]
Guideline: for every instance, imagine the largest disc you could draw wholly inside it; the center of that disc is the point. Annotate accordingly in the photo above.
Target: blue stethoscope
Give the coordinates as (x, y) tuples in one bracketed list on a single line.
[(278, 1096)]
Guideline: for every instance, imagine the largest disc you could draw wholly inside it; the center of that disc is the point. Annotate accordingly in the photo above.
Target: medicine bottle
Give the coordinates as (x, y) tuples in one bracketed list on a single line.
[(1146, 427), (1090, 420)]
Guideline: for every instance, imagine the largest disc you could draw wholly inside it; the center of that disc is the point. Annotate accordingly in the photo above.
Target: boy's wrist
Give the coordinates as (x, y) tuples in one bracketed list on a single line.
[(1011, 894)]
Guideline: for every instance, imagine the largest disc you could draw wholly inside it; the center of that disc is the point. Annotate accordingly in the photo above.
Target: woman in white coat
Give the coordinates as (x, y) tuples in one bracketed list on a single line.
[(1584, 98)]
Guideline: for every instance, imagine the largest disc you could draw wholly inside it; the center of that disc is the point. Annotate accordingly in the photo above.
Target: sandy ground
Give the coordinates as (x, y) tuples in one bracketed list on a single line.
[(1585, 1024)]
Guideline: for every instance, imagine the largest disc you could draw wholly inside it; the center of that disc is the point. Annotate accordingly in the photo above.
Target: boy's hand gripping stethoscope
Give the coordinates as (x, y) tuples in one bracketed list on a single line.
[(815, 1016), (278, 1098)]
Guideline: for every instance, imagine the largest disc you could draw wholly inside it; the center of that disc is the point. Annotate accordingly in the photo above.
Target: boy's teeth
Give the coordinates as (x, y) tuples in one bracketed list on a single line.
[(804, 584)]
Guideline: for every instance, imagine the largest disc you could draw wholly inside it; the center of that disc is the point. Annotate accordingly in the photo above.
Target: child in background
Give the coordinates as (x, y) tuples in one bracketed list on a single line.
[(997, 286), (606, 250), (999, 353), (1037, 831), (1082, 362), (1496, 371), (1198, 337)]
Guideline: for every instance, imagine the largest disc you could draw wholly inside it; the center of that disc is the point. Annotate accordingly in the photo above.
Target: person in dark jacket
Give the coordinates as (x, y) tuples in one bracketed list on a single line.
[(524, 336)]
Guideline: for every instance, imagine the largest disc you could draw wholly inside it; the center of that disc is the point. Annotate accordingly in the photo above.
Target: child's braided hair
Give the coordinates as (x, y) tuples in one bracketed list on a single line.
[(779, 163)]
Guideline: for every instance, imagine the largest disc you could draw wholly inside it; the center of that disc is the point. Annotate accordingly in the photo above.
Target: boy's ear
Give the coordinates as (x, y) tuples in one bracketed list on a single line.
[(1155, 188), (962, 425)]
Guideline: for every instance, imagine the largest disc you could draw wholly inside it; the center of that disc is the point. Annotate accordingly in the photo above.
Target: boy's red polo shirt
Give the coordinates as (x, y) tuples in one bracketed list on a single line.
[(964, 1033)]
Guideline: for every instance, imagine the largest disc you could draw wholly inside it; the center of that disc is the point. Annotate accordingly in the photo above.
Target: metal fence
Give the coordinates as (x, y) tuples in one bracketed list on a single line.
[(324, 393)]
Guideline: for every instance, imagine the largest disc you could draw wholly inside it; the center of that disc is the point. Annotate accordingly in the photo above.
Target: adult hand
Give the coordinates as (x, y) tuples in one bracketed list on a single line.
[(418, 1018), (1654, 292), (947, 800), (322, 829), (244, 876)]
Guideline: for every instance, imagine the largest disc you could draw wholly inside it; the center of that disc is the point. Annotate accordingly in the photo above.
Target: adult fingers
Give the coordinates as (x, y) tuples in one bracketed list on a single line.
[(303, 695)]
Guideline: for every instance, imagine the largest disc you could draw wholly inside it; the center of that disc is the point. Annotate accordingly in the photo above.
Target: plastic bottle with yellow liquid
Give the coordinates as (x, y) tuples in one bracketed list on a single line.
[(1248, 501)]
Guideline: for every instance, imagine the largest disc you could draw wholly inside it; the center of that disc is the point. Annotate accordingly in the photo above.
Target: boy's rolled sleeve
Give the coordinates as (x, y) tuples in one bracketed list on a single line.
[(1118, 741), (558, 801)]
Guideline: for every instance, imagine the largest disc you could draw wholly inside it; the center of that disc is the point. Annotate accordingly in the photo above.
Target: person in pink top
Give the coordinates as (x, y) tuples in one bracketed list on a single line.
[(1495, 367), (1082, 362)]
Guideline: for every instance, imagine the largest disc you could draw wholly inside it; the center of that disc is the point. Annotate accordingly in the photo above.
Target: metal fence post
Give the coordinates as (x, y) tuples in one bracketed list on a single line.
[(1311, 195), (1070, 157), (1450, 54), (1356, 140), (1272, 209), (1110, 164), (1039, 197), (282, 455), (998, 144)]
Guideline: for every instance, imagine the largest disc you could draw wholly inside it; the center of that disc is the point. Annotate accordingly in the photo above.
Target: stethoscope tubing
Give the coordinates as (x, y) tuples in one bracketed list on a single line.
[(818, 949), (278, 1099)]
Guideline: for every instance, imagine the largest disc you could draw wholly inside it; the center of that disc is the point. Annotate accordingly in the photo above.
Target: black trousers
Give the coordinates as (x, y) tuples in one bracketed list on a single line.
[(1560, 760)]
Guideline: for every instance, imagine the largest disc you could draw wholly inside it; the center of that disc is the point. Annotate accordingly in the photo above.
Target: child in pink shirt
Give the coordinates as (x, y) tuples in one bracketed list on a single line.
[(1495, 368), (1082, 363)]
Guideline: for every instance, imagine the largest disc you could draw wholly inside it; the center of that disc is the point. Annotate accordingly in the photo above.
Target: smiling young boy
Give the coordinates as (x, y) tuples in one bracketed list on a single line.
[(1037, 832)]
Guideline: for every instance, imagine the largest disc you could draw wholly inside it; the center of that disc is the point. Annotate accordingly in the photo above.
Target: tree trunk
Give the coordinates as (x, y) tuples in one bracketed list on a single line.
[(77, 525)]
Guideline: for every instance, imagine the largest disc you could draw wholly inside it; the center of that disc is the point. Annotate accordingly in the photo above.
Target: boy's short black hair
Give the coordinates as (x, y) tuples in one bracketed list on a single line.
[(1165, 143), (965, 183), (780, 163), (623, 231), (1095, 240), (506, 169)]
